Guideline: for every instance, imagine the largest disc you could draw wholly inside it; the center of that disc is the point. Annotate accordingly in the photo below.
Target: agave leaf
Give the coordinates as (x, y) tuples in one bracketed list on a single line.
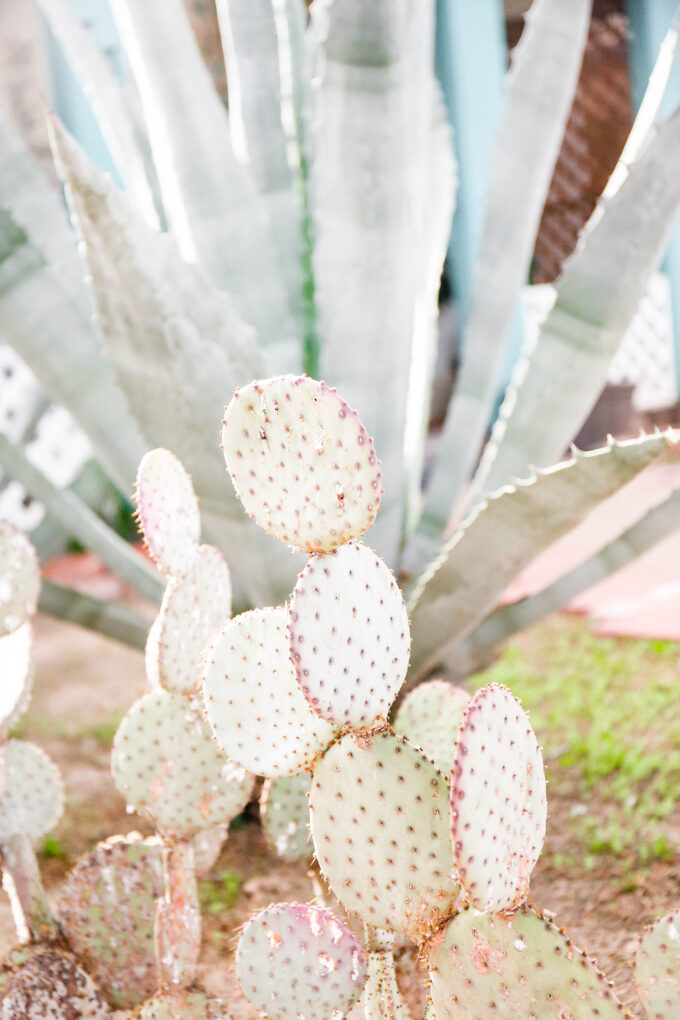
[(179, 350), (557, 381), (107, 618), (540, 87), (365, 252), (211, 204), (505, 533), (656, 524), (116, 106), (79, 521), (258, 77)]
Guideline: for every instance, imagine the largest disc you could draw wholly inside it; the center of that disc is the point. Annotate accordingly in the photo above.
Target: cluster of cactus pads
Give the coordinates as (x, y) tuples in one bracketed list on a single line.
[(427, 827)]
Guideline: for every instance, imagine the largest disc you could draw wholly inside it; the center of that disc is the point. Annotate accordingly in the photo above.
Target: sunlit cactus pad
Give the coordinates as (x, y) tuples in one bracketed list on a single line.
[(349, 635), (16, 674), (301, 462), (152, 654), (168, 512), (430, 717), (296, 960), (107, 912), (284, 812), (19, 578), (32, 798), (380, 823), (207, 846), (167, 766), (498, 801), (255, 707), (521, 965), (184, 1004), (656, 967), (194, 609), (51, 985)]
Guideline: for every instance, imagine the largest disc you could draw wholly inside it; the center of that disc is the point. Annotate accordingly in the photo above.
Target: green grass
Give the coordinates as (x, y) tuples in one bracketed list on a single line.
[(607, 712), (222, 893)]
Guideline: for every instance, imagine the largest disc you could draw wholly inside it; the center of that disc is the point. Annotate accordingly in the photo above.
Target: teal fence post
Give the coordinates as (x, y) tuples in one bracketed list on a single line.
[(649, 22)]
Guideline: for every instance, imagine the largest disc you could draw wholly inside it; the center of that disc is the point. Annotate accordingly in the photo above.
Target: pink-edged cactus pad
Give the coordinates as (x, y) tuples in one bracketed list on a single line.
[(168, 512)]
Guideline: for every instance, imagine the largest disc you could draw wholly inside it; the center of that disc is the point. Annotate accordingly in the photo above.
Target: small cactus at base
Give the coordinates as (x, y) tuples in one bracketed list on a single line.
[(51, 984)]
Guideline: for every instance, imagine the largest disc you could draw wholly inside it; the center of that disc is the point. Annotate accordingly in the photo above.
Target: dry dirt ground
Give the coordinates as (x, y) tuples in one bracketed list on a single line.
[(84, 684)]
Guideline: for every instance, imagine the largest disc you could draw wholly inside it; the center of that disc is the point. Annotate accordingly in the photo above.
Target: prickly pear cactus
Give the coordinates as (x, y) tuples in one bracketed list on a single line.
[(189, 1004), (255, 706), (301, 462), (284, 813), (349, 636), (107, 912), (296, 960), (484, 965), (32, 800), (656, 967), (498, 801), (167, 766), (19, 578), (380, 825), (51, 984), (430, 717), (168, 512)]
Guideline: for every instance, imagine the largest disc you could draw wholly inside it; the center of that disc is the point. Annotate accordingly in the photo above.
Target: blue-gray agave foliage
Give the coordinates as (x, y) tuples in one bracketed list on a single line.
[(306, 231)]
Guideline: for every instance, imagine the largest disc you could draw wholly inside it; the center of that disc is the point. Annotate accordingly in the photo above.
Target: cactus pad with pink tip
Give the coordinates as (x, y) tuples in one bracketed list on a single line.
[(430, 717), (380, 824), (520, 965), (32, 798), (107, 912), (301, 462), (194, 609), (19, 578), (284, 813), (168, 512), (297, 960), (167, 766), (255, 707), (349, 635), (656, 968), (498, 801)]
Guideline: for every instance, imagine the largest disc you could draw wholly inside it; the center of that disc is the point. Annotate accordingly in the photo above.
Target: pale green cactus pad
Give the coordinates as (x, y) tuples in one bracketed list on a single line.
[(152, 654), (656, 967), (194, 609), (207, 847), (485, 965), (380, 823), (107, 913), (184, 1004), (296, 960), (167, 766), (51, 985), (19, 578), (430, 717), (284, 813), (498, 801), (301, 462), (349, 635), (32, 798), (16, 671), (168, 512), (255, 707)]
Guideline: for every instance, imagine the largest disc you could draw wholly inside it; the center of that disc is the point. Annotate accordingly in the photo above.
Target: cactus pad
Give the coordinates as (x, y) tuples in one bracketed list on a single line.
[(33, 795), (19, 578), (380, 824), (152, 654), (16, 671), (518, 966), (107, 913), (207, 847), (51, 985), (430, 717), (498, 801), (167, 766), (656, 968), (194, 609), (168, 512), (349, 635), (301, 462), (255, 707), (189, 1005), (296, 960), (284, 812)]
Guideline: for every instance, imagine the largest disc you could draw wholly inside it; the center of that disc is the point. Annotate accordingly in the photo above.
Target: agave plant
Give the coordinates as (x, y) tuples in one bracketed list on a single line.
[(305, 229)]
